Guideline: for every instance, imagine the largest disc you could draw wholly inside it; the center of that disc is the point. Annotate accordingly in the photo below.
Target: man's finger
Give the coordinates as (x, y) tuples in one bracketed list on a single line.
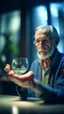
[(7, 68), (22, 78)]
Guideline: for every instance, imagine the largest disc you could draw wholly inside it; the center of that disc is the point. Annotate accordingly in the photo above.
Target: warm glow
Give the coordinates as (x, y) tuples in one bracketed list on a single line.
[(15, 110)]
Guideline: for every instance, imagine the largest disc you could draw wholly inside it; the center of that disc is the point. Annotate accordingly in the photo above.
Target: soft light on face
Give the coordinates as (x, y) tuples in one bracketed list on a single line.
[(45, 46)]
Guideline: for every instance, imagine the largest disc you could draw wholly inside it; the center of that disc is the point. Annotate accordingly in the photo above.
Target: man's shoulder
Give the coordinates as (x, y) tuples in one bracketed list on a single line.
[(36, 61), (35, 64), (61, 58), (61, 55)]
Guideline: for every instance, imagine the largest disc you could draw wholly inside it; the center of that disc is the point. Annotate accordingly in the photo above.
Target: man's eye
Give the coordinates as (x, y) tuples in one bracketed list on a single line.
[(44, 41), (37, 41)]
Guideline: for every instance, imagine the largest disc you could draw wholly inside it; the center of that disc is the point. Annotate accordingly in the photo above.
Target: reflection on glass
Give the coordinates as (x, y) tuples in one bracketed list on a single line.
[(19, 65)]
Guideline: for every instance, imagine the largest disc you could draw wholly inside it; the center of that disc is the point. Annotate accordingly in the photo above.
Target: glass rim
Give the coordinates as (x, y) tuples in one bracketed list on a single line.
[(20, 58)]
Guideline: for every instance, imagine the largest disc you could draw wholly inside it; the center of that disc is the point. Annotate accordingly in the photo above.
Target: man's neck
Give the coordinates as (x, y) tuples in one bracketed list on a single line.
[(45, 63)]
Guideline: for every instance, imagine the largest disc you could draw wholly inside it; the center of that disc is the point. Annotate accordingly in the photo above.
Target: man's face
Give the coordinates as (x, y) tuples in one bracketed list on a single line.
[(45, 46)]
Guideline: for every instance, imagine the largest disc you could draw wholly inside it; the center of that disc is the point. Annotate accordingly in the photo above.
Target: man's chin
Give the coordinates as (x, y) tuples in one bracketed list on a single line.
[(41, 56)]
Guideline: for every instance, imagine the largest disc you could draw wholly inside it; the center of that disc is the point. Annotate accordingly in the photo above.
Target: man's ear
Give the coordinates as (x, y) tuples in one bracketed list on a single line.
[(57, 41)]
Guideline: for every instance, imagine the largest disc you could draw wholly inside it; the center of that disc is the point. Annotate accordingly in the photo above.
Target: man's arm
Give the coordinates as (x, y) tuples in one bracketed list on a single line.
[(47, 93)]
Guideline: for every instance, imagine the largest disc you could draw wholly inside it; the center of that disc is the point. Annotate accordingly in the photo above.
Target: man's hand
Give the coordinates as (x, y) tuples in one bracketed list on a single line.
[(25, 80)]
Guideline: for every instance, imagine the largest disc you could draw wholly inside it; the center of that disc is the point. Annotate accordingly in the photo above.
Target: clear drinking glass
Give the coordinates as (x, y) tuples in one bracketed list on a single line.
[(20, 65)]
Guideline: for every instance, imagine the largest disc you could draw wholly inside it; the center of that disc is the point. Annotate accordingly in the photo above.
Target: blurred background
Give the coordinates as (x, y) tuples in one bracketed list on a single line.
[(18, 20)]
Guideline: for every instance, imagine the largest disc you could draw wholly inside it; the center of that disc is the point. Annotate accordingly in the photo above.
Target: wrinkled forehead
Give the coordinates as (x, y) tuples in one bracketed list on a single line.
[(42, 32)]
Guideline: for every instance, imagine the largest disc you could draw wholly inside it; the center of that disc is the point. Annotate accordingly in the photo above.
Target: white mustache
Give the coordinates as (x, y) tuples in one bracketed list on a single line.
[(41, 50)]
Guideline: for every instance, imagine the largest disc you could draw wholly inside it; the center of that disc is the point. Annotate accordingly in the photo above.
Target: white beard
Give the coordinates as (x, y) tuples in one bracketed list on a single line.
[(43, 54)]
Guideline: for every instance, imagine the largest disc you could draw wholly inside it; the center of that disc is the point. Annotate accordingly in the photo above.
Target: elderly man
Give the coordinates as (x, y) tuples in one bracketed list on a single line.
[(46, 76)]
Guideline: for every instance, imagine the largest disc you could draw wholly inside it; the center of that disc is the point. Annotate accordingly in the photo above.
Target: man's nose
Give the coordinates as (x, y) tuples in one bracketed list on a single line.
[(40, 41), (40, 45)]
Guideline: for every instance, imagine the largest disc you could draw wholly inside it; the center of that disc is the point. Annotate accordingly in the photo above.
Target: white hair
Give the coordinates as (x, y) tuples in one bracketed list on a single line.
[(49, 30)]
